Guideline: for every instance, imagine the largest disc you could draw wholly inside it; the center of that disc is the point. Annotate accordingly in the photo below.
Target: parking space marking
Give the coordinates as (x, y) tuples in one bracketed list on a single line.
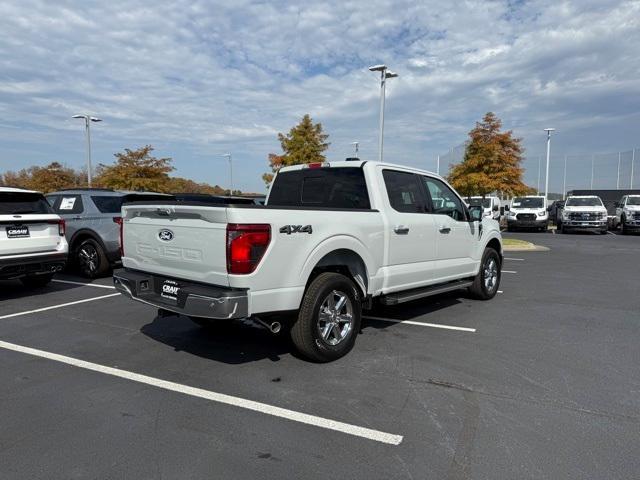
[(264, 408), (514, 259), (95, 285), (500, 291), (509, 271), (44, 309), (421, 324)]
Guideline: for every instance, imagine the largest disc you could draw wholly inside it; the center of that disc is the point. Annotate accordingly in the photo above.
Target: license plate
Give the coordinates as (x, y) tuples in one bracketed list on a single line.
[(170, 290), (17, 231), (585, 224)]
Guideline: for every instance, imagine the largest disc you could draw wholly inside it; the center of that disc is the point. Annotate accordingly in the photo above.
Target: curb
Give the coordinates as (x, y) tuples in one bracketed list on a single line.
[(524, 248)]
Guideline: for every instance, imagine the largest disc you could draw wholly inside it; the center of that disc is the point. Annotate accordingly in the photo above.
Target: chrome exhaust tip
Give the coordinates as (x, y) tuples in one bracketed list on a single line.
[(273, 327)]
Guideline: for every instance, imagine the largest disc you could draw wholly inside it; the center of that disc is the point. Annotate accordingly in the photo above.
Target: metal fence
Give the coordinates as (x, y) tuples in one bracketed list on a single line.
[(617, 170)]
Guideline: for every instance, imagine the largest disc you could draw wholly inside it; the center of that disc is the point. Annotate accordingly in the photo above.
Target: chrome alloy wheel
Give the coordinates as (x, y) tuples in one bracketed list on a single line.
[(490, 275), (335, 318), (88, 258)]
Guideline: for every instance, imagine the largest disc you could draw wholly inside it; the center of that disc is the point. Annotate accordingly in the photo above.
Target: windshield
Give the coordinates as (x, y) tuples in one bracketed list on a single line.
[(584, 202), (633, 201), (477, 202), (528, 202), (22, 203)]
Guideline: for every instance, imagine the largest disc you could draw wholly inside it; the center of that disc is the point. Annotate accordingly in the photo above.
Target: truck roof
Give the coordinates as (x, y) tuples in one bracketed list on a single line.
[(355, 163), (583, 196)]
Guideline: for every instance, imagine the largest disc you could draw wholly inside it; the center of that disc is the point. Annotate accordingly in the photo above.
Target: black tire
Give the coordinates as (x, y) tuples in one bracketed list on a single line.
[(562, 229), (486, 290), (37, 281), (306, 331), (90, 259), (510, 228), (623, 229)]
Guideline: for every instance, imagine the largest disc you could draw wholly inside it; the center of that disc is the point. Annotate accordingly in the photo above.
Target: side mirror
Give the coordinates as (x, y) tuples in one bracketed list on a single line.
[(506, 208), (549, 209), (617, 204), (476, 212), (496, 208)]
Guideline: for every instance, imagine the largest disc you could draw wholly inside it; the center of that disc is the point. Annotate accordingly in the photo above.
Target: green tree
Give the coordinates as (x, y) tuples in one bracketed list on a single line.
[(492, 162), (305, 143), (136, 170)]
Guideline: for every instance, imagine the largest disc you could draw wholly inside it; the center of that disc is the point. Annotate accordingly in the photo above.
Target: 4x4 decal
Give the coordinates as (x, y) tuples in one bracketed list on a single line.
[(289, 229)]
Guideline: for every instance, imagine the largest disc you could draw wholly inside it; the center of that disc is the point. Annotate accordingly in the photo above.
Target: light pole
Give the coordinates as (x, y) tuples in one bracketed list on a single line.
[(546, 178), (356, 144), (593, 166), (564, 180), (228, 157), (384, 74), (633, 160), (538, 184), (438, 165), (618, 178), (87, 122)]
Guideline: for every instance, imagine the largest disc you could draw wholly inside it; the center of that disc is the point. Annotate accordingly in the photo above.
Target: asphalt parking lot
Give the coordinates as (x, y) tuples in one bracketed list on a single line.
[(541, 382)]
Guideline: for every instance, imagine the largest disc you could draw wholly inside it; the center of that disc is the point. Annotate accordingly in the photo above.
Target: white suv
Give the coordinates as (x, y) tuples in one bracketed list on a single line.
[(628, 213), (32, 243)]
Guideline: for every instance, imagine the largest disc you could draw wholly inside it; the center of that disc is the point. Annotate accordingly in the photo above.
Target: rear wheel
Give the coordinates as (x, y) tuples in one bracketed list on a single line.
[(485, 285), (329, 318), (91, 259), (37, 281)]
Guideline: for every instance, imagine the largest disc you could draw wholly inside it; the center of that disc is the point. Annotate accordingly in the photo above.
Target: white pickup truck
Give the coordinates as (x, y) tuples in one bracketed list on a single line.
[(331, 239)]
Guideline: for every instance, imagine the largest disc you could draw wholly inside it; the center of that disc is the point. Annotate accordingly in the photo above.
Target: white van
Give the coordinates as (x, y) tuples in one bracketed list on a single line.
[(527, 212), (490, 206)]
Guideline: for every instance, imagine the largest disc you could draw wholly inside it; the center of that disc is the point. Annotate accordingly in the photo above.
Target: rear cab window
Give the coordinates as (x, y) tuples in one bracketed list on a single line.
[(325, 187), (404, 192), (23, 203)]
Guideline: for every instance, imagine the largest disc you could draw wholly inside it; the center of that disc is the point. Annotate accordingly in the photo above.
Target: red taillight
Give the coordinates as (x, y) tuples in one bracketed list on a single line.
[(120, 223), (246, 244), (61, 226), (315, 165)]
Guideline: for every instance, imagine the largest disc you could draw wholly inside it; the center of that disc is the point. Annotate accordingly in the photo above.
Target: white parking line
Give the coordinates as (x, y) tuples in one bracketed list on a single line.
[(44, 309), (509, 271), (514, 259), (422, 324), (267, 409), (500, 291), (96, 285)]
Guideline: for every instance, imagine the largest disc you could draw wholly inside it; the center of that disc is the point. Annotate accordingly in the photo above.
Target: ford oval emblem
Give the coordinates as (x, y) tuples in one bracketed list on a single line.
[(165, 235)]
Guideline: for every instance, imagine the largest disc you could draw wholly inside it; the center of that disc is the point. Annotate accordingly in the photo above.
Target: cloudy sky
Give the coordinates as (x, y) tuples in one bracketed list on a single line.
[(197, 79)]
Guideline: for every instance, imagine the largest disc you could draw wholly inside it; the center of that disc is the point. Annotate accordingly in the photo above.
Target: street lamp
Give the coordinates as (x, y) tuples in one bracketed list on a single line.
[(356, 144), (228, 157), (384, 74), (546, 178), (87, 122)]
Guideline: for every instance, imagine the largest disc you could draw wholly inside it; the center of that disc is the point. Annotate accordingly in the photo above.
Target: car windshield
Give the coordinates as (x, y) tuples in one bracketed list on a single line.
[(527, 202), (22, 203), (584, 202), (633, 201), (480, 202)]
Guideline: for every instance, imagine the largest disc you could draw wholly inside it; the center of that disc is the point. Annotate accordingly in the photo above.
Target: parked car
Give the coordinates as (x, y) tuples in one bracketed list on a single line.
[(527, 212), (586, 213), (490, 205), (628, 214), (331, 238), (92, 216), (32, 238), (555, 212)]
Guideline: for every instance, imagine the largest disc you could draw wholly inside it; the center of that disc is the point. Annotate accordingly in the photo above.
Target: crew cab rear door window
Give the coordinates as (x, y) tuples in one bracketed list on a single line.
[(404, 192), (339, 188), (443, 200), (23, 203)]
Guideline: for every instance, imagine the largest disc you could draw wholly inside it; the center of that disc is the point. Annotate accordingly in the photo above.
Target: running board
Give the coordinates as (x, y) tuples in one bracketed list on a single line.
[(416, 293)]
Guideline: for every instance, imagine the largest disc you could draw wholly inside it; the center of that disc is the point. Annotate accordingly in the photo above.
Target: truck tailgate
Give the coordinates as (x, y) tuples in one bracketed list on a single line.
[(178, 241)]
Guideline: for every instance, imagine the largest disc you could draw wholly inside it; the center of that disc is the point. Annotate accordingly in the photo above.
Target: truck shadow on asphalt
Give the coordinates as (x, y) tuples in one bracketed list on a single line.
[(242, 342)]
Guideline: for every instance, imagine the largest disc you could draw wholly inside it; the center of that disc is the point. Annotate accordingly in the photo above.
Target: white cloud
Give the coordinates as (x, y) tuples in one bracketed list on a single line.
[(197, 78)]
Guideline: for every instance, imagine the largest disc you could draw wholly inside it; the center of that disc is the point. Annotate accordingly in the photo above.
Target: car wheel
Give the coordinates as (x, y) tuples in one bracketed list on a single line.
[(623, 228), (91, 259), (37, 281), (485, 285), (329, 318)]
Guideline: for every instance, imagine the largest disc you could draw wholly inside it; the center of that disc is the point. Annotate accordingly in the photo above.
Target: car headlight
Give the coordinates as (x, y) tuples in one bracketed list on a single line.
[(542, 213), (628, 212), (565, 215), (511, 214)]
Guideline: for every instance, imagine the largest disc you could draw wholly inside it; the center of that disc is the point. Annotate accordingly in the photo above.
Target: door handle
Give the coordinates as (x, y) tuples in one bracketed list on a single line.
[(444, 229), (401, 229)]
